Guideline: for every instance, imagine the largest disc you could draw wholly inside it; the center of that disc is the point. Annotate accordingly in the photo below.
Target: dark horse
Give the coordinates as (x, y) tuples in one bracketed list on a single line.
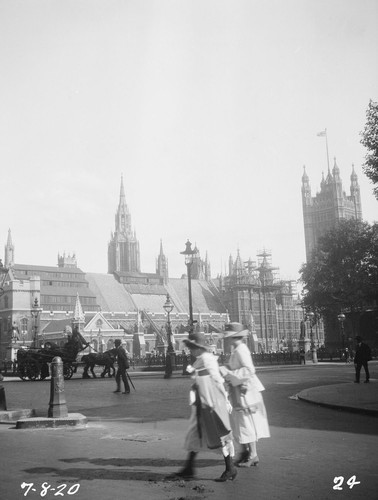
[(105, 359)]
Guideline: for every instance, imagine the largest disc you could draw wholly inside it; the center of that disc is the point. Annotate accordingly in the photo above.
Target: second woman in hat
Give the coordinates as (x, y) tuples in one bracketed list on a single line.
[(249, 418)]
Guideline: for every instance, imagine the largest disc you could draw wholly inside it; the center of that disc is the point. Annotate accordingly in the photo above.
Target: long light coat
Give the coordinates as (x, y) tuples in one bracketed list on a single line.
[(213, 395), (251, 423)]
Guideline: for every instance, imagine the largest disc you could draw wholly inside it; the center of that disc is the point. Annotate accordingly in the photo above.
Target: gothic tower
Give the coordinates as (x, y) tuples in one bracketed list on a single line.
[(9, 252), (123, 249), (331, 204), (201, 269), (162, 265)]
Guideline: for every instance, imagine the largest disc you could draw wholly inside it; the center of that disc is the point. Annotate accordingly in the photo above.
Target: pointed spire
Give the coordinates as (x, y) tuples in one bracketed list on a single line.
[(9, 252), (78, 312), (9, 241), (304, 176), (335, 170), (353, 176), (322, 183), (122, 190), (161, 247)]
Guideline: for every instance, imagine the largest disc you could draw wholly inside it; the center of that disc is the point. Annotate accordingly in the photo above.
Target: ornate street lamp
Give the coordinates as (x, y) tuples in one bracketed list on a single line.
[(35, 313), (189, 259), (170, 354), (341, 318), (311, 317)]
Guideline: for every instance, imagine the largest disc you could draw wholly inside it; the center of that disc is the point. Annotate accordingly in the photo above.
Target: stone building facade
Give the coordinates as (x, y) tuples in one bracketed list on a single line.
[(269, 307), (329, 205), (129, 304)]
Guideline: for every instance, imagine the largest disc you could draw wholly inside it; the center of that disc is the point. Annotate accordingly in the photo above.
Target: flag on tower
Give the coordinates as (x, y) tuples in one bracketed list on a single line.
[(323, 133)]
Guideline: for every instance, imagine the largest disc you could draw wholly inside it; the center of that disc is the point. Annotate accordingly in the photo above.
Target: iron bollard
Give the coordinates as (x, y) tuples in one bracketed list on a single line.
[(57, 405)]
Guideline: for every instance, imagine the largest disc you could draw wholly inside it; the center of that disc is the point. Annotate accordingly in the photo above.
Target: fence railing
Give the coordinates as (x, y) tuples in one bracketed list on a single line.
[(157, 363)]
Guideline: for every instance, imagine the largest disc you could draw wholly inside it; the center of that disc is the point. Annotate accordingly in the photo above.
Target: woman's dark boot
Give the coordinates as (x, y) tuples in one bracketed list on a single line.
[(230, 473), (242, 457), (188, 471)]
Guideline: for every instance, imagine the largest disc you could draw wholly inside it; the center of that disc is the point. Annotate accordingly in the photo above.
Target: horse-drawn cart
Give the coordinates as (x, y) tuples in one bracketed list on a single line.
[(33, 363)]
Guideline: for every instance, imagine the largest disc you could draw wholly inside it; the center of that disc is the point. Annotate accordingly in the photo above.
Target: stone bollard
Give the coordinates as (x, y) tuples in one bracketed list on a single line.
[(57, 405)]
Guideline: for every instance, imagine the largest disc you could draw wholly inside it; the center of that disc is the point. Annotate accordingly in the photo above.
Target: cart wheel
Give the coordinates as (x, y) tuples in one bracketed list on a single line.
[(67, 372), (33, 370), (45, 372), (22, 372)]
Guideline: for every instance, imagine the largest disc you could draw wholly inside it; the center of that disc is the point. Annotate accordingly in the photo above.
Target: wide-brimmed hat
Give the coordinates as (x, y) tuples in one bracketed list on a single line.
[(196, 339), (234, 330)]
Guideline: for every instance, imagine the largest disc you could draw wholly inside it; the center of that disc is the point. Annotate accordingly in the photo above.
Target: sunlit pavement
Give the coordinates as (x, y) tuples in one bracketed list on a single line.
[(133, 441)]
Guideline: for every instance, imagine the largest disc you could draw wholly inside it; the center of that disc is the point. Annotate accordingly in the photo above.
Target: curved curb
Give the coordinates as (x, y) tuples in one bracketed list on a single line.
[(305, 396)]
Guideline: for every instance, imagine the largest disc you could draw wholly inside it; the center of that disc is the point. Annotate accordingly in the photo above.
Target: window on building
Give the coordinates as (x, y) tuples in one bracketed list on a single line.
[(24, 325)]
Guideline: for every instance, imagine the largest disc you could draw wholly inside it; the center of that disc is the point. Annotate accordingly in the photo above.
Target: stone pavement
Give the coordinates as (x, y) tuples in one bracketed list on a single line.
[(360, 398), (106, 460)]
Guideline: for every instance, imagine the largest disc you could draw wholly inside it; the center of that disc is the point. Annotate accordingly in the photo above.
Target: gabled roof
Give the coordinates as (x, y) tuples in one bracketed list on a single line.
[(114, 296), (111, 295), (92, 324), (203, 298), (145, 289)]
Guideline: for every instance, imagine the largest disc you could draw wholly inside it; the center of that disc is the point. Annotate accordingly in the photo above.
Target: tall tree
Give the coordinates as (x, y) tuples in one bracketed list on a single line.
[(370, 141), (343, 271)]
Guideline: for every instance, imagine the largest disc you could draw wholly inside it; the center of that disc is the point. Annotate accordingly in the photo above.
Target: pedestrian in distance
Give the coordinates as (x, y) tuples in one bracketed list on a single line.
[(209, 424), (249, 419), (302, 356), (347, 356), (123, 365), (361, 359)]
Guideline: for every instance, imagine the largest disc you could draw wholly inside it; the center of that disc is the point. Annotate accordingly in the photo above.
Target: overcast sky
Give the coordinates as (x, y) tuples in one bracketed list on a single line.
[(208, 108)]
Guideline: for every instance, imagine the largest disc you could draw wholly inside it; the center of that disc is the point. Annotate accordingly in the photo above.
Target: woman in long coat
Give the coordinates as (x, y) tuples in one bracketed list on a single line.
[(209, 424), (249, 418)]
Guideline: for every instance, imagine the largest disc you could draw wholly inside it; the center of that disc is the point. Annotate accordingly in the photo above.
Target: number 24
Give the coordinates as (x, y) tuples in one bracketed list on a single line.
[(338, 480)]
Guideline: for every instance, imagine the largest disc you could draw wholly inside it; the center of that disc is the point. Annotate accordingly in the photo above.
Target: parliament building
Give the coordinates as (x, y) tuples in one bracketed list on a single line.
[(37, 303)]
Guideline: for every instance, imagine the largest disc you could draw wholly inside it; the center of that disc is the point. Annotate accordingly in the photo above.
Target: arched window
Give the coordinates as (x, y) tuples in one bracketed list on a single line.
[(24, 326)]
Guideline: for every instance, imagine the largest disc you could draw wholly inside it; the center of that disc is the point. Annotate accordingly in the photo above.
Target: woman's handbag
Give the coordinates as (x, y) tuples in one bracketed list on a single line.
[(239, 401), (214, 427)]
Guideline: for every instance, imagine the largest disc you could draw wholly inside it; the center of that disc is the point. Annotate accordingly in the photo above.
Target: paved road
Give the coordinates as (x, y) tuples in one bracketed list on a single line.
[(133, 441)]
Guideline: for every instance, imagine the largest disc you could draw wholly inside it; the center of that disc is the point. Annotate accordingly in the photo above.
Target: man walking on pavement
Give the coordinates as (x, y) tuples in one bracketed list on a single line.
[(361, 358), (123, 365)]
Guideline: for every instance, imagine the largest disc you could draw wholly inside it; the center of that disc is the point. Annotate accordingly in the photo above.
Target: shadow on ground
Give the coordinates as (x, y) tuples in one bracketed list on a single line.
[(137, 469)]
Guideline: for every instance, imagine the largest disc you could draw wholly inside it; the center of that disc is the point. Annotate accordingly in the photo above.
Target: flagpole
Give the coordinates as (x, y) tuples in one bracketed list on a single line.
[(325, 130), (323, 133)]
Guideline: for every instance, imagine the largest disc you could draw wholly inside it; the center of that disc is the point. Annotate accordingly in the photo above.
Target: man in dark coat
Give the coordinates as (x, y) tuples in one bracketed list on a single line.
[(361, 358), (123, 365)]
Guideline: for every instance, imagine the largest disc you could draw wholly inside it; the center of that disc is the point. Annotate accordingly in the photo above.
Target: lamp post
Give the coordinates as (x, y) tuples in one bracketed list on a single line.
[(170, 354), (341, 318), (35, 313), (3, 275), (189, 258), (311, 317)]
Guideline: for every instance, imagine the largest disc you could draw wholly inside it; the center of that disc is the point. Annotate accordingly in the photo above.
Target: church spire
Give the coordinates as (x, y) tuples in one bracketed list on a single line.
[(79, 316), (122, 197), (162, 264), (9, 251), (78, 313)]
